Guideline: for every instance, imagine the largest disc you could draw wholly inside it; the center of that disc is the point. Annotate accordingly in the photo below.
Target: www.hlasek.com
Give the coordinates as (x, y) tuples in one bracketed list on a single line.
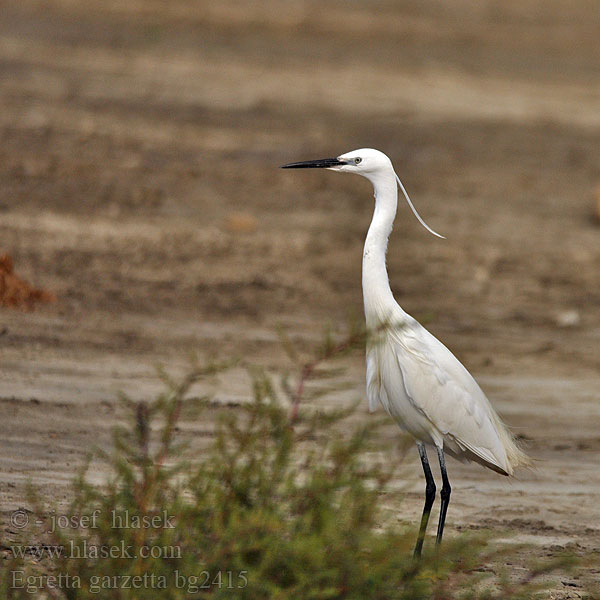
[(85, 550), (192, 584)]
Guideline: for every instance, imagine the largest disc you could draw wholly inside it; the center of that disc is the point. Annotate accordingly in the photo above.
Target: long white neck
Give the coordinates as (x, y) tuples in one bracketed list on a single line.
[(380, 306)]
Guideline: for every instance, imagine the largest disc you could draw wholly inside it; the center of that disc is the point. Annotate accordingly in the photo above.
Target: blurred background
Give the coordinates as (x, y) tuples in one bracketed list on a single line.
[(140, 189)]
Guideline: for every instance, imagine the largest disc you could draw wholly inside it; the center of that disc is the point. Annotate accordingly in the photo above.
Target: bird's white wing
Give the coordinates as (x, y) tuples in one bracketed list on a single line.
[(410, 368)]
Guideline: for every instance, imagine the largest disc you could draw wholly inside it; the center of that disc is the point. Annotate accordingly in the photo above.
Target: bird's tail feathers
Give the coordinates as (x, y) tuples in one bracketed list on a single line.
[(503, 462), (515, 457)]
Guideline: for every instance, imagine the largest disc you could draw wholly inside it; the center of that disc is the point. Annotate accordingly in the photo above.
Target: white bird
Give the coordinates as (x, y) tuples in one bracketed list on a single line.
[(417, 380)]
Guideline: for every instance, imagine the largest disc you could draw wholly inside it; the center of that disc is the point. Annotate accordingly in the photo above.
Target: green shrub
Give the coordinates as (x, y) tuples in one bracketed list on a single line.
[(284, 503)]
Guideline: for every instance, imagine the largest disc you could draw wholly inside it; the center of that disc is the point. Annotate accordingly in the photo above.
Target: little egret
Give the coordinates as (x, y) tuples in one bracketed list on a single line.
[(417, 380)]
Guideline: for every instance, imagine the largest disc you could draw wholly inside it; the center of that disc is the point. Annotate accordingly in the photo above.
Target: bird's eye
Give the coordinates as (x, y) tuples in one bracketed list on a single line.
[(357, 160)]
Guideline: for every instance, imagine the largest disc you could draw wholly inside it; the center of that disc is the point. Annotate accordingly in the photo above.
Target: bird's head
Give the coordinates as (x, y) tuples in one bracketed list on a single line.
[(366, 162)]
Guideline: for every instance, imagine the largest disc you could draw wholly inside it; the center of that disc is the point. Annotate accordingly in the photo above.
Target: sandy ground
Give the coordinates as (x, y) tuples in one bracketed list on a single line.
[(138, 159)]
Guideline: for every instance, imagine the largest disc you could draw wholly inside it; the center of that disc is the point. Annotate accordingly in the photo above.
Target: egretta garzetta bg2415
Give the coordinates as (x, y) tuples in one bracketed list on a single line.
[(418, 381)]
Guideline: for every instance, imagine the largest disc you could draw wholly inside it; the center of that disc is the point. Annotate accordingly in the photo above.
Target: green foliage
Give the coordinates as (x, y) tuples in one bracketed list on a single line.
[(283, 504)]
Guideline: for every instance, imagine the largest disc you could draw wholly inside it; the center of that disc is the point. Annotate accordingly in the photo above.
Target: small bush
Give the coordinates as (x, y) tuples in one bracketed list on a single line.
[(283, 504)]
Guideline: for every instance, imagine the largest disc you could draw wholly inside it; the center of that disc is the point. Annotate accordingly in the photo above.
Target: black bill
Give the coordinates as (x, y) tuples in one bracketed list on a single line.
[(323, 163)]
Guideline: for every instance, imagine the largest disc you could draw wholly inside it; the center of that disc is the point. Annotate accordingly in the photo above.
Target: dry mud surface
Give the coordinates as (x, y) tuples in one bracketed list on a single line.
[(139, 183)]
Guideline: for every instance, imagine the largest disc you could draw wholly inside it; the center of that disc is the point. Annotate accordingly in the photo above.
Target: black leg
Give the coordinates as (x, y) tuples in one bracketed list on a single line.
[(429, 498), (444, 494)]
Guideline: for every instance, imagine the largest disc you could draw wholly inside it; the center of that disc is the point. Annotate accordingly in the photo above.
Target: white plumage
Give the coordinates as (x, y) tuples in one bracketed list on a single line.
[(416, 379), (433, 397)]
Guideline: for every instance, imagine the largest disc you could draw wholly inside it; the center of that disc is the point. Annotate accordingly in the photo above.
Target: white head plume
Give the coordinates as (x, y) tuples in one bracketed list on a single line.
[(415, 210)]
